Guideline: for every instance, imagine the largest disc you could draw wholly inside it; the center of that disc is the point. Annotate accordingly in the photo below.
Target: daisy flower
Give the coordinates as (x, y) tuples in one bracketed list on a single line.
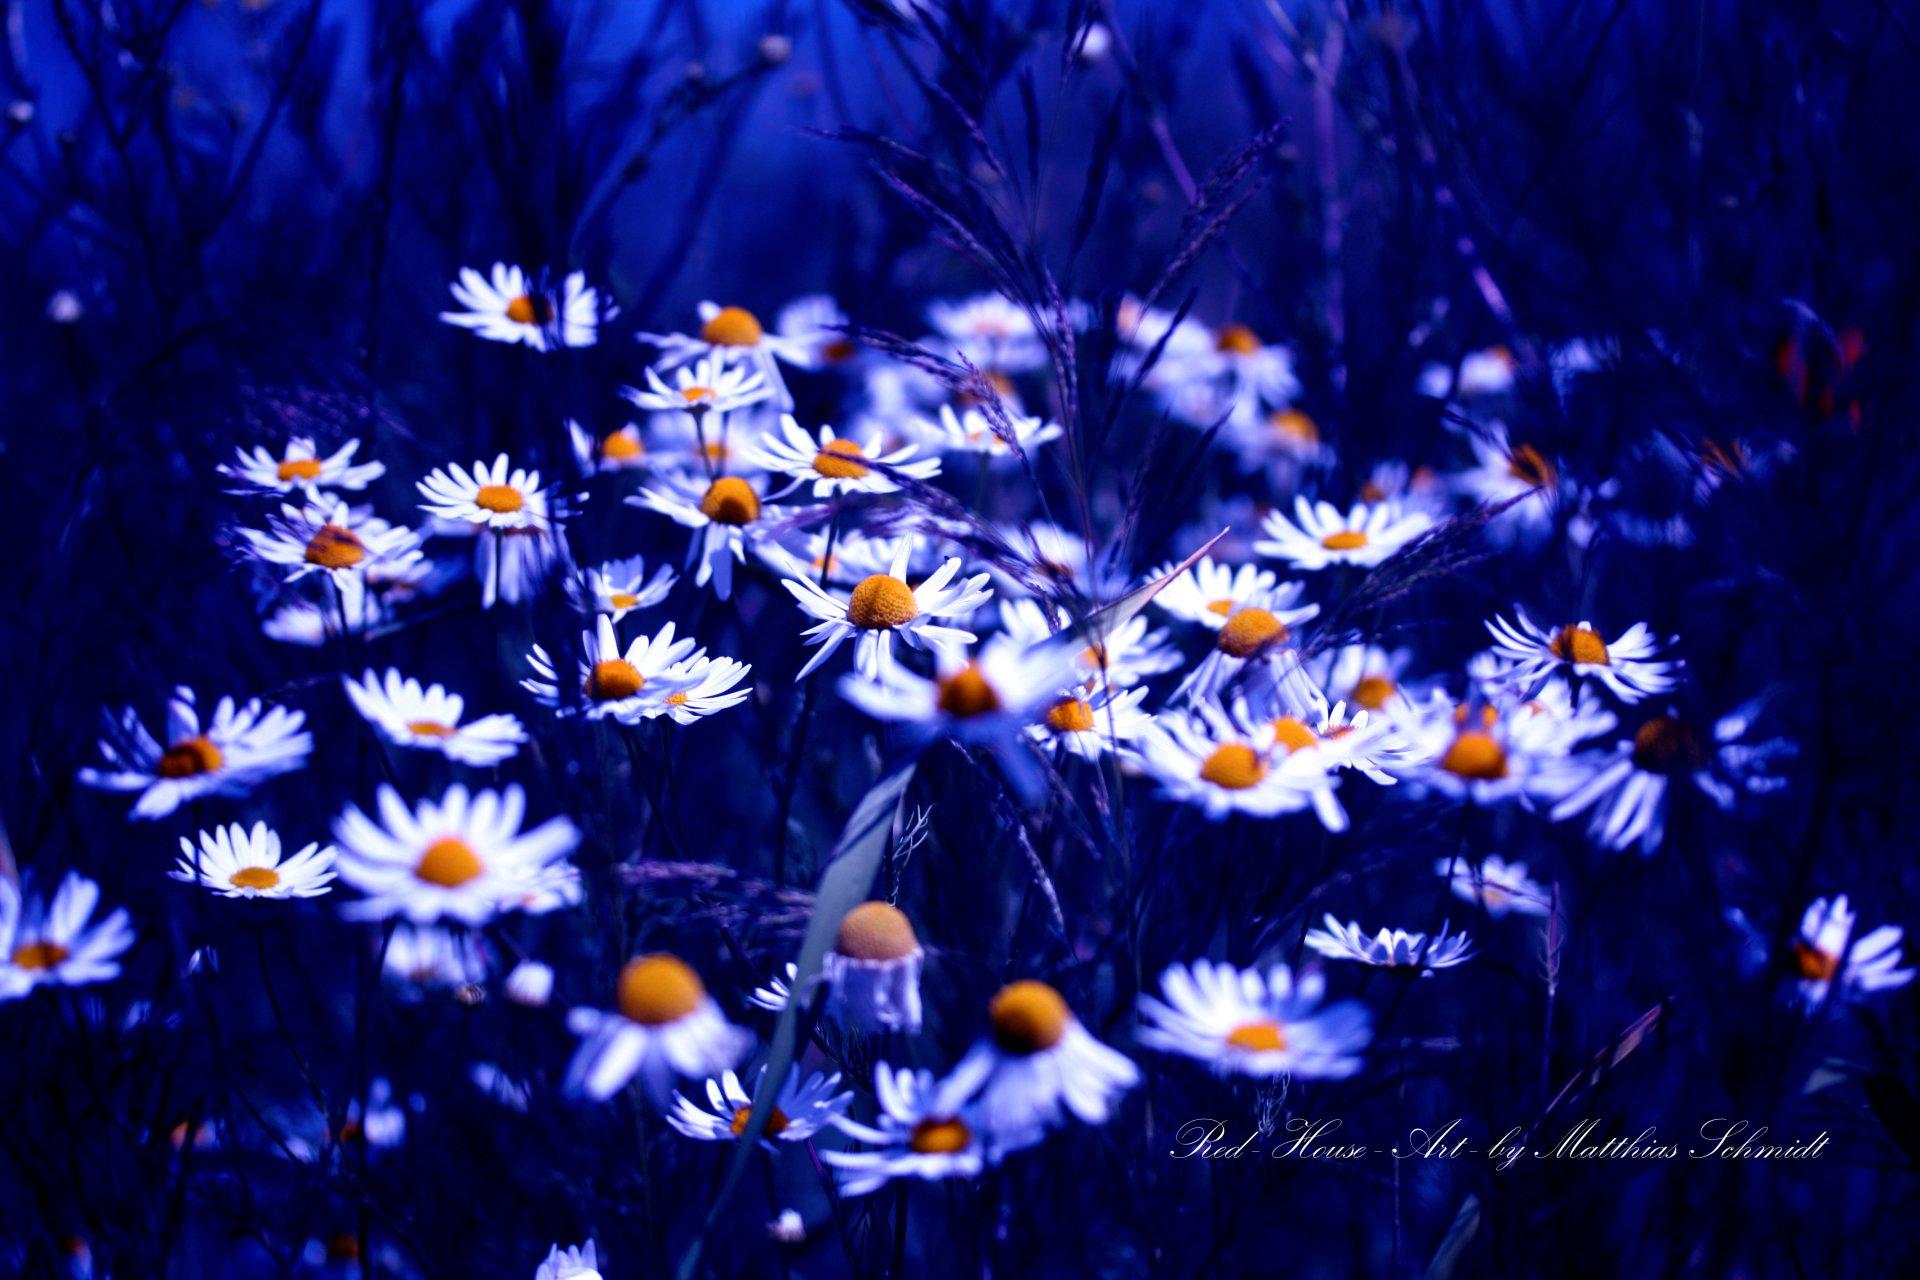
[(1240, 1022), (710, 385), (802, 1109), (46, 943), (924, 1130), (725, 518), (1274, 437), (1253, 635), (489, 497), (709, 688), (973, 431), (1204, 757), (1486, 372), (873, 970), (1491, 751), (1089, 727), (237, 863), (621, 449), (882, 606), (835, 464), (1826, 953), (1497, 885), (735, 336), (1364, 676), (1357, 739), (618, 587), (1235, 377), (463, 858), (429, 719), (855, 556), (581, 1262), (240, 747), (1626, 666), (664, 1024), (816, 320), (1505, 472), (423, 958), (629, 685), (513, 307), (1035, 1063), (336, 540), (1209, 593), (991, 331), (1365, 536), (300, 467), (1390, 948)]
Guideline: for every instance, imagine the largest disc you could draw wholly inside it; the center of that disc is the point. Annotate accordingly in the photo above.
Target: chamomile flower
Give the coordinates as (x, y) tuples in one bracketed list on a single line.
[(1091, 726), (629, 685), (463, 857), (709, 385), (973, 430), (1235, 377), (496, 497), (800, 1110), (816, 320), (238, 748), (621, 449), (1210, 592), (708, 688), (335, 539), (618, 587), (1390, 948), (735, 336), (1505, 749), (925, 1129), (1506, 472), (300, 467), (512, 306), (1364, 536), (882, 606), (1495, 884), (1826, 954), (1487, 372), (1036, 1064), (664, 1024), (987, 698), (237, 863), (429, 720), (1364, 676), (1123, 657), (580, 1262), (873, 970), (51, 943), (779, 990), (835, 464), (1205, 757), (725, 517), (1353, 739), (429, 957), (1626, 666), (855, 555), (1254, 636), (1243, 1022), (991, 331)]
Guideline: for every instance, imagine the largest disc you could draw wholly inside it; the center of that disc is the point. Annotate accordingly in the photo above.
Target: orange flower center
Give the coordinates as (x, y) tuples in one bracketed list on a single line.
[(1815, 964), (1528, 465), (698, 395), (1249, 633), (1027, 1017), (836, 460), (621, 446), (530, 309), (880, 603), (1236, 338), (499, 498), (298, 469), (659, 988), (254, 878), (733, 327), (1373, 691), (430, 729), (1233, 765), (966, 693), (876, 931), (1296, 426), (776, 1123), (332, 547), (1345, 540), (613, 679), (449, 862), (189, 758), (1577, 644), (939, 1136), (1258, 1037), (1070, 715), (39, 955), (1475, 755), (1666, 744), (731, 500), (1292, 733)]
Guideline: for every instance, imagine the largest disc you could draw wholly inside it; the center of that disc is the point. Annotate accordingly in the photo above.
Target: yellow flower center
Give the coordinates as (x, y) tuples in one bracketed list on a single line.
[(776, 1122), (1233, 765), (1296, 426), (1528, 465), (677, 699), (622, 446), (1666, 744), (876, 931), (732, 327), (499, 498), (1292, 733), (189, 758), (1222, 607), (529, 309), (1373, 691), (623, 600), (659, 988), (1475, 755), (430, 729), (1236, 338), (939, 1136), (966, 693), (1577, 644), (613, 679), (836, 460), (730, 500), (298, 469), (1070, 715), (698, 395), (1258, 1037), (1250, 632), (38, 955), (1815, 964), (880, 603), (449, 862), (1027, 1017), (1345, 540), (254, 878), (332, 547)]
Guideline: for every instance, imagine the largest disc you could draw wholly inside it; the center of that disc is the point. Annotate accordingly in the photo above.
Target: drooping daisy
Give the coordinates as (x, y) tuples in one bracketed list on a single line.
[(991, 331), (429, 720), (618, 587), (725, 517), (802, 1108), (1390, 948), (709, 687), (1091, 726), (580, 1262), (1035, 1064), (664, 1024), (1823, 957), (1255, 637), (463, 858), (835, 464), (237, 863), (300, 467), (50, 943), (1626, 666), (240, 747), (513, 565), (873, 970), (973, 430), (1506, 472), (1364, 536), (621, 449), (925, 1129), (1205, 757), (709, 386), (1242, 1022), (340, 541), (489, 497), (630, 685), (882, 606), (735, 336), (1496, 884), (431, 957), (513, 306)]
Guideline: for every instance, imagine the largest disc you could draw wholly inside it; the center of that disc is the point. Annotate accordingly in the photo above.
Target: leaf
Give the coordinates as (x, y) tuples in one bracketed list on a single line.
[(844, 884)]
